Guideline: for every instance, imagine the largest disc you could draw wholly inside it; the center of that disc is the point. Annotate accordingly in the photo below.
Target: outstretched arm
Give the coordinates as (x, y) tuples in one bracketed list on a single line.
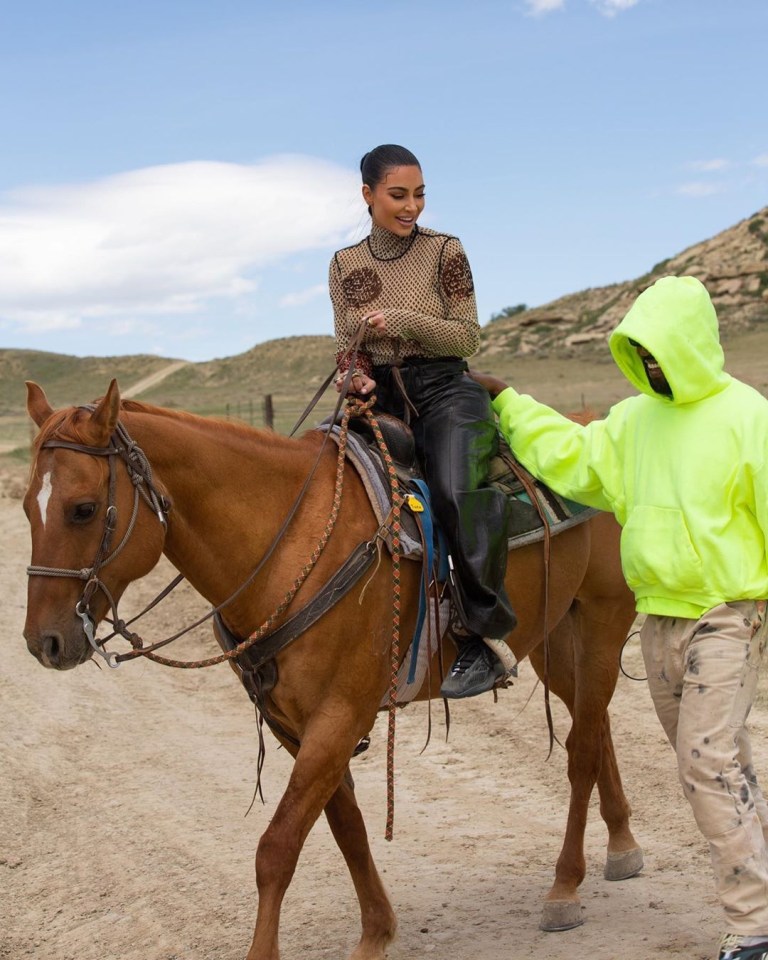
[(572, 459)]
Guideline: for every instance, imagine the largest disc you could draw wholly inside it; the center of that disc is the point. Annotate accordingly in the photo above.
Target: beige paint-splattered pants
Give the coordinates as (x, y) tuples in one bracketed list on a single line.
[(702, 675)]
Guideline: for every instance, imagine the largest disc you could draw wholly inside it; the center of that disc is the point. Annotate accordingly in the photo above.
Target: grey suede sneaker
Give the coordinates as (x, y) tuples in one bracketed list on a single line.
[(475, 670)]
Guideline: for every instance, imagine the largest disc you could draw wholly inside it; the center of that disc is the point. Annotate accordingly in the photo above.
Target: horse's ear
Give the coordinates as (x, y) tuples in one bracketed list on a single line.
[(37, 403), (103, 420)]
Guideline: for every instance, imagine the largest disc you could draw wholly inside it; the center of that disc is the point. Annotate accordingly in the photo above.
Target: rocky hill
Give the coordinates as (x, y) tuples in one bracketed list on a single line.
[(733, 264)]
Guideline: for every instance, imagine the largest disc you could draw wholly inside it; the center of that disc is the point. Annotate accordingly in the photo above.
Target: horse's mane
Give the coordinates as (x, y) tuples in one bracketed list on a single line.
[(138, 406), (67, 423), (235, 428)]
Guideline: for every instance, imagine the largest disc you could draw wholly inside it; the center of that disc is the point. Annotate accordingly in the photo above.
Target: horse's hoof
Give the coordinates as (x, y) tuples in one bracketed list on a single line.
[(560, 915), (622, 866)]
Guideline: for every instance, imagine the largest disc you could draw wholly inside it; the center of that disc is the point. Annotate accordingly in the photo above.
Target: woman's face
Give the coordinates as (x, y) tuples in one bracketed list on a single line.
[(396, 201)]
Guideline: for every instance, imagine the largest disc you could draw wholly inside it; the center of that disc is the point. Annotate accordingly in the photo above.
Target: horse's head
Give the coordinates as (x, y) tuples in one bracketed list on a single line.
[(91, 534)]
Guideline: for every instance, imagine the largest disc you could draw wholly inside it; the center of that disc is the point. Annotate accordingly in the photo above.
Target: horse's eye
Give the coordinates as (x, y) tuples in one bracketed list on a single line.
[(83, 512)]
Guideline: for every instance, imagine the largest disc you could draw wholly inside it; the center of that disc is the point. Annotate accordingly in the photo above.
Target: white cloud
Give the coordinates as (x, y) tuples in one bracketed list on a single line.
[(304, 296), (539, 7), (709, 166), (48, 320), (166, 239), (127, 326), (610, 8), (761, 161), (699, 188)]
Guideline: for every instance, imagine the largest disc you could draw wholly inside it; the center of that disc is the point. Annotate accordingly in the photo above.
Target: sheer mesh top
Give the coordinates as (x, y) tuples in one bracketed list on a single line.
[(422, 284)]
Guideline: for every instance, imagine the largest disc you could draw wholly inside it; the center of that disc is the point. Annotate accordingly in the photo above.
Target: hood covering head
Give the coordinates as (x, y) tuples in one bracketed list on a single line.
[(674, 320)]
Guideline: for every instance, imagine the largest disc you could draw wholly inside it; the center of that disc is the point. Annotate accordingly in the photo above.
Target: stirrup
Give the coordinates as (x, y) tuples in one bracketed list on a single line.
[(503, 652)]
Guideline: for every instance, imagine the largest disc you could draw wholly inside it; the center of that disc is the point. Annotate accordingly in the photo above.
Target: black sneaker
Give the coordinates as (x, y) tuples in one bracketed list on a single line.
[(733, 946), (476, 670)]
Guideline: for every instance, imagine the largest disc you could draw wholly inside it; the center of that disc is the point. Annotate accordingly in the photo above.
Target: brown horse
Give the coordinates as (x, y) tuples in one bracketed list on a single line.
[(227, 489)]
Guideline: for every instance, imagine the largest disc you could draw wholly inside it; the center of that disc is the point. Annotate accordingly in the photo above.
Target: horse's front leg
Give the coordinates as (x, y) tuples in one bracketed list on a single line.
[(376, 914), (327, 744)]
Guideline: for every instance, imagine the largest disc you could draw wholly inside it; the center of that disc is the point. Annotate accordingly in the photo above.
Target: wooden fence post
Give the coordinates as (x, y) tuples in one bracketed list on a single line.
[(269, 412)]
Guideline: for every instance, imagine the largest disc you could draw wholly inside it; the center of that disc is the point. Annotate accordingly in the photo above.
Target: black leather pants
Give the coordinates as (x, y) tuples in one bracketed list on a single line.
[(455, 435)]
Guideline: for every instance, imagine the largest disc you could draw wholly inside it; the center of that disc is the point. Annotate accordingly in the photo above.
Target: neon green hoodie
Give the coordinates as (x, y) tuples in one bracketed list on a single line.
[(684, 475)]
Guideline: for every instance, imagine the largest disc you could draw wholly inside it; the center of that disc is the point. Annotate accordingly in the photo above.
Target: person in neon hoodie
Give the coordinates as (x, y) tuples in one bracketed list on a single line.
[(684, 468)]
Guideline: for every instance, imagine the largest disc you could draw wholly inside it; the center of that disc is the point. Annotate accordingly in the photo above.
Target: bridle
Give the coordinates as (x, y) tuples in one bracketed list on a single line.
[(122, 447)]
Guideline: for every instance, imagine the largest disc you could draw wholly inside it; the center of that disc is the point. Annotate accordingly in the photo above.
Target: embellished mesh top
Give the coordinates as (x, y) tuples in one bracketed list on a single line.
[(422, 284)]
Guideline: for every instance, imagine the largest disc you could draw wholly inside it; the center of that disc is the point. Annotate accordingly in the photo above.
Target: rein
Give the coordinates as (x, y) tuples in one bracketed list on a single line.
[(148, 652), (525, 479), (266, 627), (137, 465), (139, 471)]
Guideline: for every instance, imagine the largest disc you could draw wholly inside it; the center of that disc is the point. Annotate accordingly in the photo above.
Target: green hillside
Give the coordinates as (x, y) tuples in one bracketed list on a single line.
[(66, 379)]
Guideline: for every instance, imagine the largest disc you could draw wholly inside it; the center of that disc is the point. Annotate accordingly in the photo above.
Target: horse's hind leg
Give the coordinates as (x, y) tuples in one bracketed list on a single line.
[(562, 906), (583, 674), (625, 856), (602, 628), (377, 916)]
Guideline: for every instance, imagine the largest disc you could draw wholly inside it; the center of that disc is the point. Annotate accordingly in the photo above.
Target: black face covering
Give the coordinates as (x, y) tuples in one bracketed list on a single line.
[(664, 389)]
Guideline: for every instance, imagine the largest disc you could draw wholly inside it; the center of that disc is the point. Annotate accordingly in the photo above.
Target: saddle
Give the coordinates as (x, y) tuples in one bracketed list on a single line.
[(398, 438), (532, 503)]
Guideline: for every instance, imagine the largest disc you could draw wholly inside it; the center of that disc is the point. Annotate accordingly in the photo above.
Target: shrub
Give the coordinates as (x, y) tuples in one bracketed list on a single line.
[(509, 312)]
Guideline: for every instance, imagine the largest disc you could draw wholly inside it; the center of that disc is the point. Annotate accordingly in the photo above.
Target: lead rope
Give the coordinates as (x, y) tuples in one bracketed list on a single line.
[(364, 408)]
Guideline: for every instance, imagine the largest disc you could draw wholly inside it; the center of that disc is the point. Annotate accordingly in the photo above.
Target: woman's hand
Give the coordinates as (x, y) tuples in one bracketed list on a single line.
[(360, 383), (492, 384), (376, 321)]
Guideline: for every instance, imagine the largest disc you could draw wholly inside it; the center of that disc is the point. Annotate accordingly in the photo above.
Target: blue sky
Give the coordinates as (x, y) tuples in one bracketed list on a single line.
[(175, 174)]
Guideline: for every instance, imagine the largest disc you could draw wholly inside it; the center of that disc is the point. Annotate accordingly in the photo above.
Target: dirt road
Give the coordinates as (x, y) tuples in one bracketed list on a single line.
[(124, 835), (153, 379)]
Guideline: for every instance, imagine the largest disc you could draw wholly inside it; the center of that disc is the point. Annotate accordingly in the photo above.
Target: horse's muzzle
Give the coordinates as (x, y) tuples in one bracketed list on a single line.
[(50, 649)]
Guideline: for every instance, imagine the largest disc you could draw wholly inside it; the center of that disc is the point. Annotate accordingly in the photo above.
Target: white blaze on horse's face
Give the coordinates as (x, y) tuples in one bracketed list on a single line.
[(46, 488)]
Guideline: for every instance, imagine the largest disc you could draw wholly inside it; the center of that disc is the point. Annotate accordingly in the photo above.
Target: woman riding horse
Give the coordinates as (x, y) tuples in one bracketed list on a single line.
[(413, 289)]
